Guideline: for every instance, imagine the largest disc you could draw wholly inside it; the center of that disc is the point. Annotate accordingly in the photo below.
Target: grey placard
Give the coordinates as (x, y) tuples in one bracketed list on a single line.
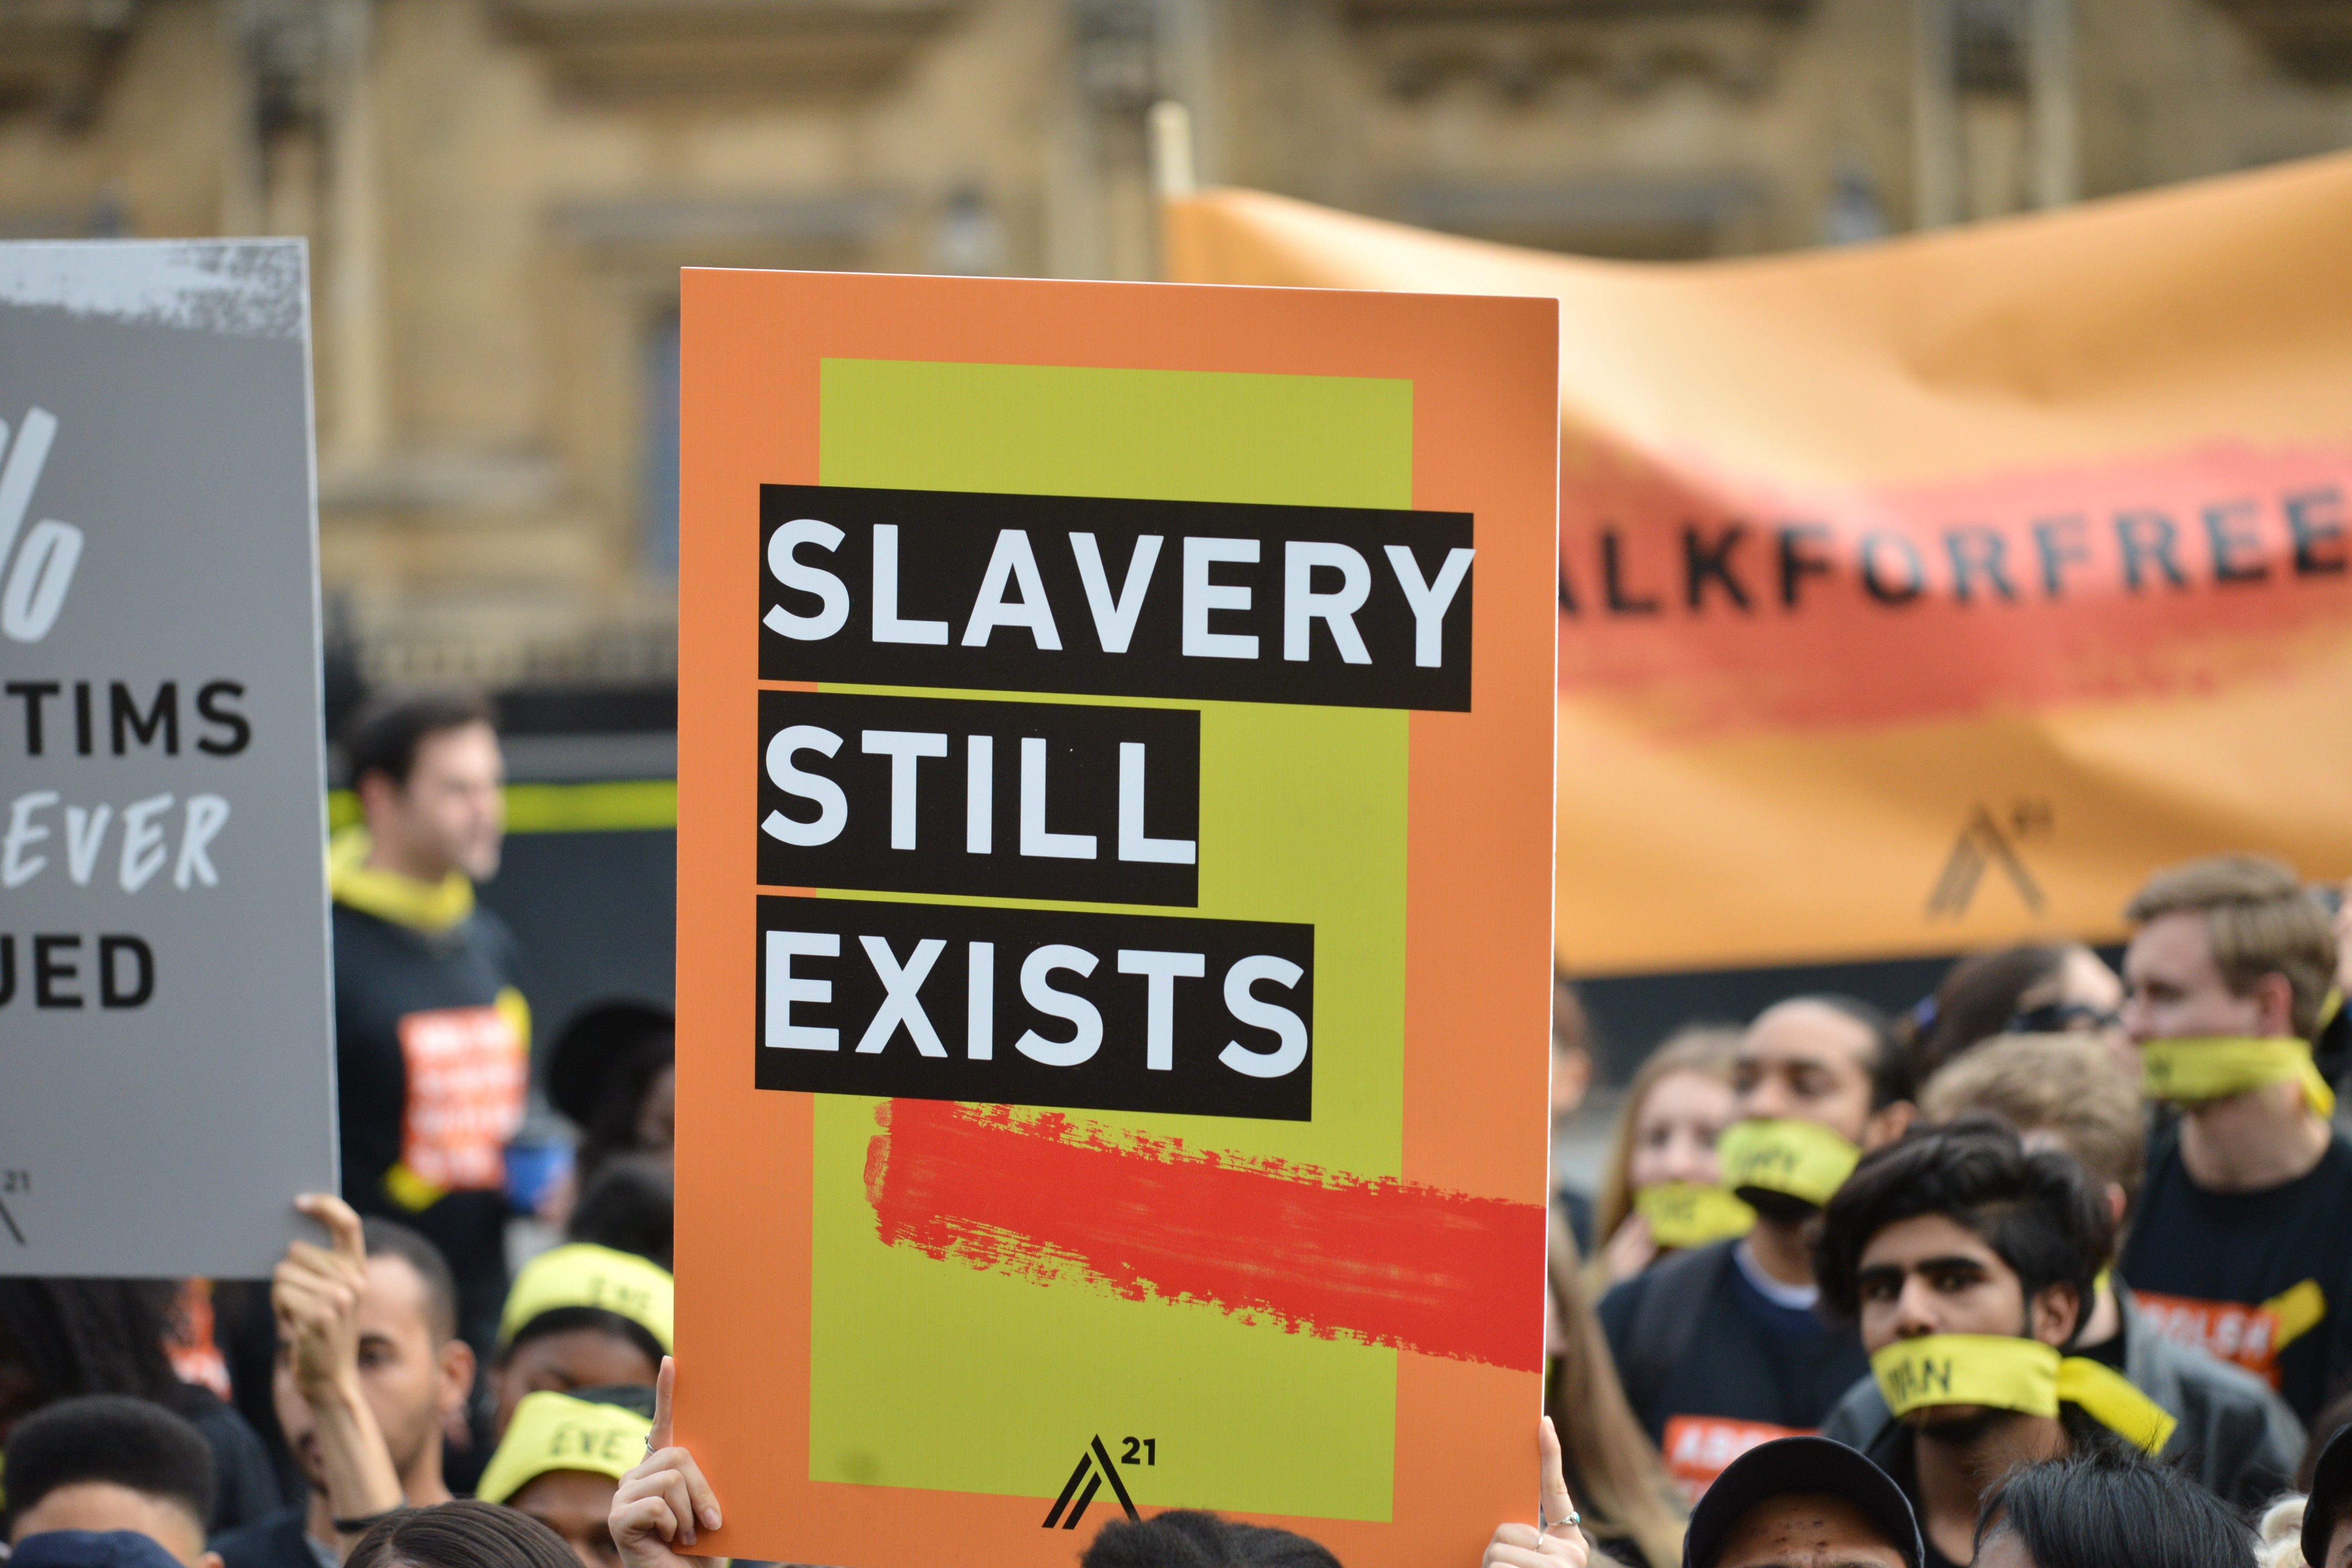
[(166, 1030)]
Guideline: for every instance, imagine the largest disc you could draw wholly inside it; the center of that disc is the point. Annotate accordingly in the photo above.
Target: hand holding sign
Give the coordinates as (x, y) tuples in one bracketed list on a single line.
[(317, 1294), (658, 1503), (1560, 1542)]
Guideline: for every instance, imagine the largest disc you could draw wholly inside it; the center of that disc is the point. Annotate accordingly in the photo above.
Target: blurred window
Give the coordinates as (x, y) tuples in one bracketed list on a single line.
[(657, 541)]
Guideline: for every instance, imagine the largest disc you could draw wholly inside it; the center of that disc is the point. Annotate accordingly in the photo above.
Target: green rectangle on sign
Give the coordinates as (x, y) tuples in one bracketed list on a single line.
[(935, 1374)]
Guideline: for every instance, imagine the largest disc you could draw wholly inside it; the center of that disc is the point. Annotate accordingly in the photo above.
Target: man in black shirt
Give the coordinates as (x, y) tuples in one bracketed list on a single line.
[(2240, 1244), (2064, 1091), (1719, 1348), (1967, 1261), (370, 1370), (433, 1037)]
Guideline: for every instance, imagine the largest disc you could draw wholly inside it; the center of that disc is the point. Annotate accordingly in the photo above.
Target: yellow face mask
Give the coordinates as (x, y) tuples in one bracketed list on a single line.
[(2191, 1071), (1685, 1214), (2006, 1373), (1803, 1159)]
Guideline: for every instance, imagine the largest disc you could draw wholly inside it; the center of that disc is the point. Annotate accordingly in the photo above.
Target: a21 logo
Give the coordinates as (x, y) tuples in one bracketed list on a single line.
[(1094, 1468), (38, 568)]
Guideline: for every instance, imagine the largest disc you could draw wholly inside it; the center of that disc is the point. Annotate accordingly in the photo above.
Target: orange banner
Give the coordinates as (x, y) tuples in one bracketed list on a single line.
[(1925, 595)]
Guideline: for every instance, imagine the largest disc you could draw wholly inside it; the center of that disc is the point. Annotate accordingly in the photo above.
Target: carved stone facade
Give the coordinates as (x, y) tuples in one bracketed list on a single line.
[(498, 193)]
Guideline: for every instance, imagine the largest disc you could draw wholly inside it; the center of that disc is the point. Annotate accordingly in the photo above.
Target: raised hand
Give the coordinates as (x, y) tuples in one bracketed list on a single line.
[(316, 1294), (1559, 1543), (662, 1504)]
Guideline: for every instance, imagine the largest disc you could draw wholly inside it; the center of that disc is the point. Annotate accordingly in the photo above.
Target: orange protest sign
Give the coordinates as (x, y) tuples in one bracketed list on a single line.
[(1114, 953), (1927, 594)]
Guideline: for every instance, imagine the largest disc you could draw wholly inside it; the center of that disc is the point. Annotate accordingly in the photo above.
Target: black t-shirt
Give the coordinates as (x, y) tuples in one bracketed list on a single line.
[(2197, 1261), (281, 1541), (1748, 1359), (387, 974)]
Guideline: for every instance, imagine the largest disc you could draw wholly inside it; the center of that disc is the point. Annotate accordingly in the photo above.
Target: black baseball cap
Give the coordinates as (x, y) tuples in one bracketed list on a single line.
[(2331, 1492), (1800, 1465)]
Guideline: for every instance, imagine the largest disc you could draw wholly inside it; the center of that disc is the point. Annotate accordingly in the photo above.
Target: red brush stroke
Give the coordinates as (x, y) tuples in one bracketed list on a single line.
[(1044, 1198)]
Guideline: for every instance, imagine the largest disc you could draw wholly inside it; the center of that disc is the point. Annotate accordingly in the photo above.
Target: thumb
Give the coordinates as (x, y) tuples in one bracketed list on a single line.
[(665, 1385), (1559, 1508), (343, 1230)]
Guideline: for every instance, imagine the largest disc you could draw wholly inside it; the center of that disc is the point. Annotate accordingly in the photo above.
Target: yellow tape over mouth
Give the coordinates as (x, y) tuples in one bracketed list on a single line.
[(2004, 1372), (2215, 1066), (1803, 1159), (1687, 1214)]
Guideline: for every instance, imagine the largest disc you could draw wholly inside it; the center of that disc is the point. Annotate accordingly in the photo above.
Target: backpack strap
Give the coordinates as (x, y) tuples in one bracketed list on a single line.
[(1673, 1295)]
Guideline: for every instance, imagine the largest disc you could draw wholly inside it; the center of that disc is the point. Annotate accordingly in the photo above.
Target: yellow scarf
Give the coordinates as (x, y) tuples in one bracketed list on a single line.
[(2008, 1372), (1685, 1214), (1803, 1159), (2191, 1071), (388, 895)]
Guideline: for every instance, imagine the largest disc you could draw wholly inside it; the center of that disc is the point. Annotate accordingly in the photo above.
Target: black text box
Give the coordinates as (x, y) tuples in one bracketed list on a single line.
[(1333, 605), (1015, 800), (1099, 1012)]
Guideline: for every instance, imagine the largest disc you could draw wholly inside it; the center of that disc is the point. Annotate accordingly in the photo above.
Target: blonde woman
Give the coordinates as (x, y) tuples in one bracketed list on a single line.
[(1630, 1509), (1679, 1103)]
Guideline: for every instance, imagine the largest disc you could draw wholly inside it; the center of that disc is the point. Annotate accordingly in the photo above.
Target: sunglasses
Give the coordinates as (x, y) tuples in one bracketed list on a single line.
[(2064, 1017)]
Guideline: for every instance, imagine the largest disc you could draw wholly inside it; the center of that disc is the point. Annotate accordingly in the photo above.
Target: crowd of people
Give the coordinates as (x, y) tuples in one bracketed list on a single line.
[(2053, 1271)]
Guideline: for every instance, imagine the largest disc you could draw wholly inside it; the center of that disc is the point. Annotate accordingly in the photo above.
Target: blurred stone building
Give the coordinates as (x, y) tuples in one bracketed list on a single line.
[(498, 193)]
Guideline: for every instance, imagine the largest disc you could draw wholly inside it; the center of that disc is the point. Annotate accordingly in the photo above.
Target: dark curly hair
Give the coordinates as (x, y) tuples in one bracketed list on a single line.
[(1185, 1538), (2038, 1210), (132, 1443)]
